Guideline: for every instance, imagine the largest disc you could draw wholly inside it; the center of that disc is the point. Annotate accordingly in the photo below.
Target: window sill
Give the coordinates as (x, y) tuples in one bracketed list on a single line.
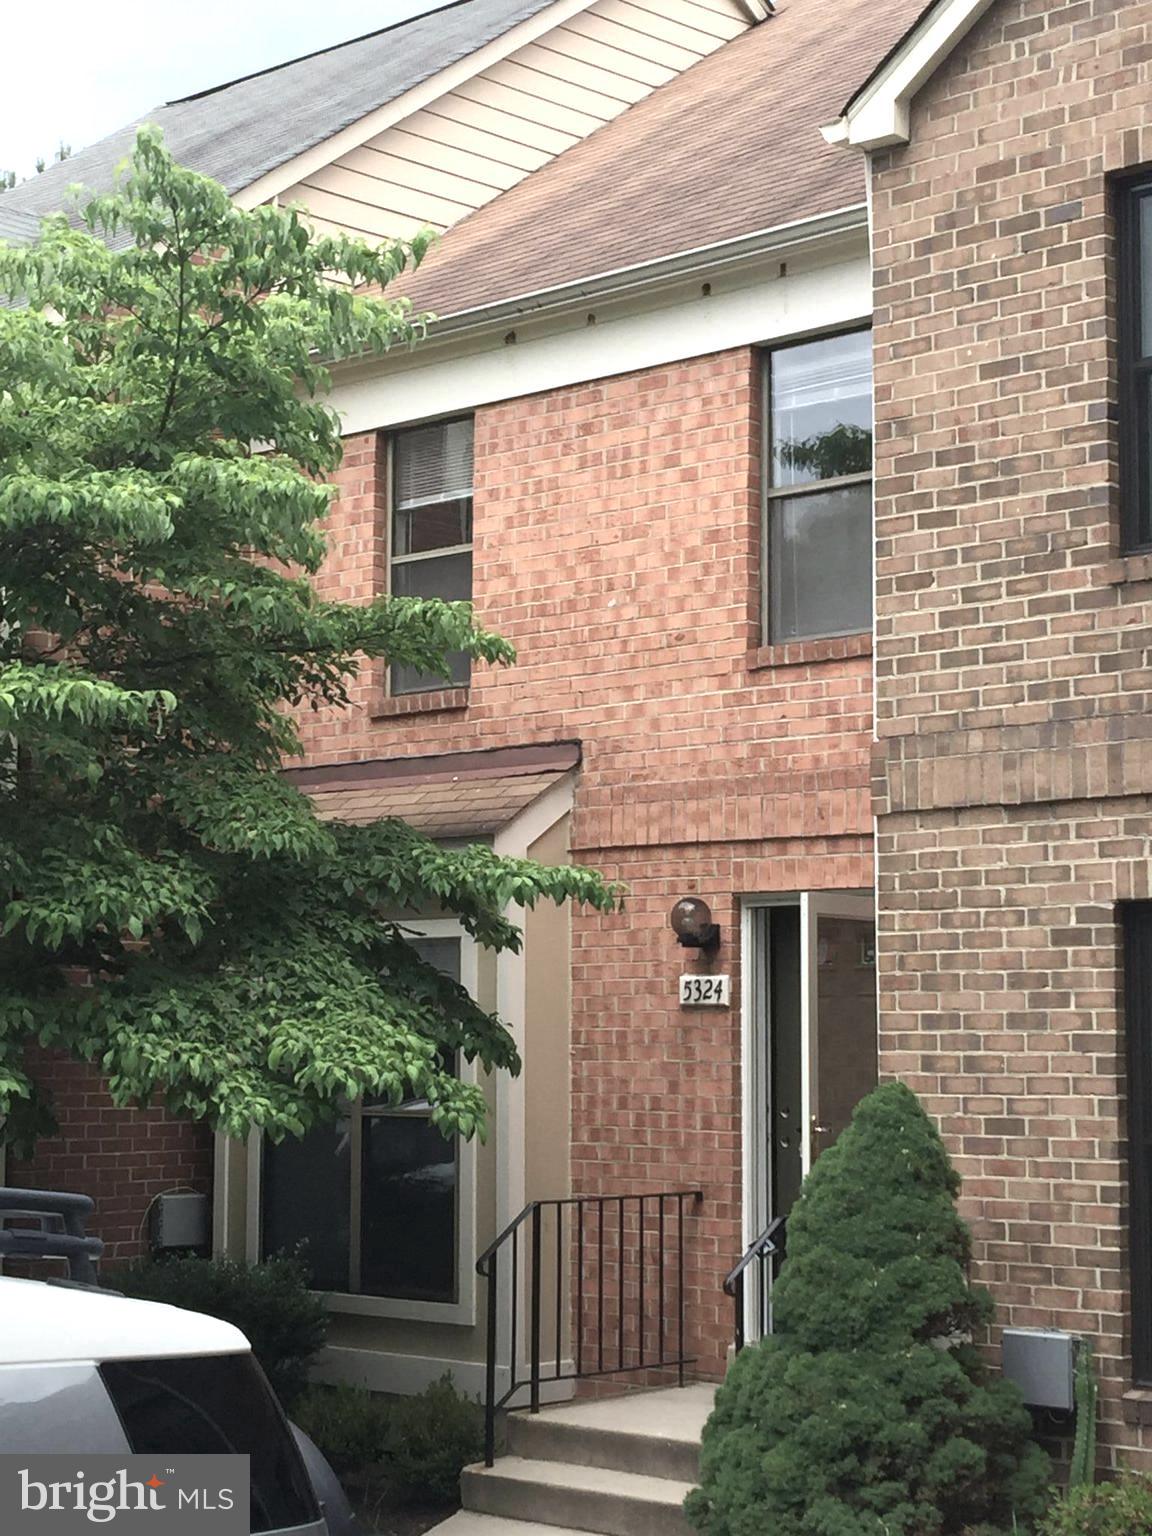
[(1129, 568), (798, 653), (436, 701), (1137, 1405), (455, 1313)]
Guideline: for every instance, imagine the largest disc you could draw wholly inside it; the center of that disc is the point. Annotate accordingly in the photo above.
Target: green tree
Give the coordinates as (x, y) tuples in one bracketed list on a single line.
[(170, 907), (868, 1412), (8, 179)]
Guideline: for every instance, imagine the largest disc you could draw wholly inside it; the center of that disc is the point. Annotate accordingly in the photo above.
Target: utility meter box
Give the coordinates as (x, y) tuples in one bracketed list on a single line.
[(180, 1221), (1041, 1362)]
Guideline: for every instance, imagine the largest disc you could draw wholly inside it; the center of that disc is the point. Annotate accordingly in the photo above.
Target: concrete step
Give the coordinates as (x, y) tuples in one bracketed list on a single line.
[(654, 1433), (596, 1499), (466, 1522)]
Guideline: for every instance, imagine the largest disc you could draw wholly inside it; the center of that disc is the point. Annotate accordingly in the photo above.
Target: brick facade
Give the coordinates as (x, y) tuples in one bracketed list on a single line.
[(121, 1158), (1014, 763), (617, 529)]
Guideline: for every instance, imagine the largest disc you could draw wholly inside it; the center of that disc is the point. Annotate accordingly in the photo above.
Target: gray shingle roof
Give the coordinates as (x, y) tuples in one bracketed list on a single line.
[(239, 131), (17, 227)]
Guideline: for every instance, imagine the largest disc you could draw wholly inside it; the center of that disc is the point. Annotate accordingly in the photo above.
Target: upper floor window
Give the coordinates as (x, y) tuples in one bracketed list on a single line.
[(818, 491), (431, 546), (1135, 314)]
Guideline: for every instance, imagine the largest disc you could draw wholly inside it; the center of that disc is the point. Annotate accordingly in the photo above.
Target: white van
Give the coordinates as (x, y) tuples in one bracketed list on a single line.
[(85, 1370)]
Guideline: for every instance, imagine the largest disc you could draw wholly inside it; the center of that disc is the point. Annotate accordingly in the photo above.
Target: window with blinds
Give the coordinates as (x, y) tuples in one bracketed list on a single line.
[(432, 529)]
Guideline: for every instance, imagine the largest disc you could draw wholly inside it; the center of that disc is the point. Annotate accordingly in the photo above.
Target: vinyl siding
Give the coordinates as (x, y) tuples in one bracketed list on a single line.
[(475, 142)]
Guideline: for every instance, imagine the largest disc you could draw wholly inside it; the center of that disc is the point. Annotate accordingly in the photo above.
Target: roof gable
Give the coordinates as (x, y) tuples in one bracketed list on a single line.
[(879, 112), (585, 64), (243, 130)]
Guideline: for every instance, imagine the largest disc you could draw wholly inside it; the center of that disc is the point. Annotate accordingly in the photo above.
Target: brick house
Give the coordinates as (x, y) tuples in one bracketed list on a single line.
[(640, 437), (1008, 148), (644, 345)]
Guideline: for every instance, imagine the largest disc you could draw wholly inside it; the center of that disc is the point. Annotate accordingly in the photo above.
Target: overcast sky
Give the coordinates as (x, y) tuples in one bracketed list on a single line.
[(77, 69)]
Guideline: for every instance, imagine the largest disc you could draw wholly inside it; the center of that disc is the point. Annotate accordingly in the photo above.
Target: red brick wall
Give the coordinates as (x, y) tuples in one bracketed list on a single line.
[(617, 536), (1015, 764), (122, 1158)]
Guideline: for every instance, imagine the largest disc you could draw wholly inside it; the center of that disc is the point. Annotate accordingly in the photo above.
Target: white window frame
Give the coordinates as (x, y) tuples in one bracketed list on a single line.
[(462, 1311), (423, 556)]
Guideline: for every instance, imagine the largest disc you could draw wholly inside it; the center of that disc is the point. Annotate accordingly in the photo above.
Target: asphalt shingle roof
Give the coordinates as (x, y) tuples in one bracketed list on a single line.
[(239, 131), (17, 227), (730, 147)]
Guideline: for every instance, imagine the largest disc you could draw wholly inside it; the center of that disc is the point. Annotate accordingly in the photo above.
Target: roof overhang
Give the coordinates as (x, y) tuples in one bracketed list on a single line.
[(879, 115)]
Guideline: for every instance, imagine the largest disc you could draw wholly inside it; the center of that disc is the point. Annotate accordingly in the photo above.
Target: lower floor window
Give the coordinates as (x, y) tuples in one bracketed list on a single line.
[(373, 1197), (1137, 929)]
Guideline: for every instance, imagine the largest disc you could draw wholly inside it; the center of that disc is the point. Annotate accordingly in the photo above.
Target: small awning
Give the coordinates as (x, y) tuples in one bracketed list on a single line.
[(451, 795)]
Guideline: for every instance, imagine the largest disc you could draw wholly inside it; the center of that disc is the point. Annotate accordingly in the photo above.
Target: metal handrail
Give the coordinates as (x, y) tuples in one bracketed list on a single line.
[(769, 1245), (60, 1233), (596, 1247)]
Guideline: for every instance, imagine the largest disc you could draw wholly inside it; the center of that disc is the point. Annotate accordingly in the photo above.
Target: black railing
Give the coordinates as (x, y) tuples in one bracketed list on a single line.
[(59, 1232), (605, 1294), (767, 1254)]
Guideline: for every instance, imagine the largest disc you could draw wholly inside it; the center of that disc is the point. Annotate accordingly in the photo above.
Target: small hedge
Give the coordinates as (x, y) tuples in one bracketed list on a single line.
[(407, 1450), (1109, 1509), (271, 1303)]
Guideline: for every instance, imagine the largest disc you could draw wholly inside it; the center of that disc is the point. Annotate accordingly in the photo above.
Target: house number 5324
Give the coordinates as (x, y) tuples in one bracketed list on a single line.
[(705, 991)]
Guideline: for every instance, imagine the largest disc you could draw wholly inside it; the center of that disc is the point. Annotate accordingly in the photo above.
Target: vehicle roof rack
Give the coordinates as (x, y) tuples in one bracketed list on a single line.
[(59, 1234)]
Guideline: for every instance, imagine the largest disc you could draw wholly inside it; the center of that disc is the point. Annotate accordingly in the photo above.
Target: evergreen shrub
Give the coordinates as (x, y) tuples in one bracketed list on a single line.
[(868, 1412)]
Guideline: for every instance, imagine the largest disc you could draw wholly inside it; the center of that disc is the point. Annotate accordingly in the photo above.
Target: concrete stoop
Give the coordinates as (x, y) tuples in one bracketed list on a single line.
[(618, 1467)]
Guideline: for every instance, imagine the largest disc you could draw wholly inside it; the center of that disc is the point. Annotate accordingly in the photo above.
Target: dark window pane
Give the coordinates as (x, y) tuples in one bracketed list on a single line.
[(306, 1197), (822, 410), (211, 1405), (433, 462), (1137, 929), (440, 525), (408, 1210), (445, 576), (1146, 274), (820, 563), (444, 954)]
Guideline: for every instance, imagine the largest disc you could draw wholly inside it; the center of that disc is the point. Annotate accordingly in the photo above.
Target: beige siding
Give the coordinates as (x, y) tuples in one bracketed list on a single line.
[(475, 142)]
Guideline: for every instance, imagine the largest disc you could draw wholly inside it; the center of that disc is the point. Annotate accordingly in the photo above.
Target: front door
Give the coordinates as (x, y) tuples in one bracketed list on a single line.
[(811, 1046)]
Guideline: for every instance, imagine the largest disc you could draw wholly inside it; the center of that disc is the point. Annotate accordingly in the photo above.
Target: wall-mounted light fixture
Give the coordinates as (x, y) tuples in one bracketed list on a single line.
[(693, 926)]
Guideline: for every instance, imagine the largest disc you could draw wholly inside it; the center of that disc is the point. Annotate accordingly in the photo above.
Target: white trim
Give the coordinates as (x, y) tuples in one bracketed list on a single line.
[(277, 181), (826, 287), (221, 1189), (407, 1375), (514, 840), (461, 1312), (881, 113)]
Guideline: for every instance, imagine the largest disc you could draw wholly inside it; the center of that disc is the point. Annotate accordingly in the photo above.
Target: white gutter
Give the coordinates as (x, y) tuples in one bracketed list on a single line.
[(698, 261)]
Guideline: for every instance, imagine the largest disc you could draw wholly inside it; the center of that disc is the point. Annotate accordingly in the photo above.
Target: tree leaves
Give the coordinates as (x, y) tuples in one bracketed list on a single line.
[(170, 907)]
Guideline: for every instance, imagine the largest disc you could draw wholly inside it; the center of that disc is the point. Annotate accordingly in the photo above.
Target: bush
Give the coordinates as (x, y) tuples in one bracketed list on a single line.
[(868, 1412), (430, 1440), (1110, 1509), (271, 1303), (408, 1450), (347, 1423)]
